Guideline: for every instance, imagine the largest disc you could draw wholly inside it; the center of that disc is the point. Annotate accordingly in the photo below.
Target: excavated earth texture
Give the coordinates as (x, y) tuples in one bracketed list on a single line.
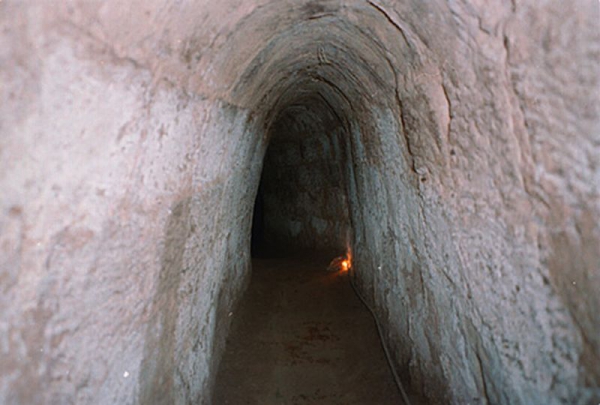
[(456, 150)]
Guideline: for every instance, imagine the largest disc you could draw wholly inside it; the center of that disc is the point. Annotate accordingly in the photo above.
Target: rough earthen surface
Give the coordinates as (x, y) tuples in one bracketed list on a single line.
[(132, 137), (303, 185)]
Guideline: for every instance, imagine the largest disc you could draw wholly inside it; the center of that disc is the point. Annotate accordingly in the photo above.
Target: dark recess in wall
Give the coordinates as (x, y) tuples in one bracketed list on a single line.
[(302, 202)]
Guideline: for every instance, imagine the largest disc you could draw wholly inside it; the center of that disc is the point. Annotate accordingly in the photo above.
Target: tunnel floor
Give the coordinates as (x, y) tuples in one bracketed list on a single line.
[(302, 336)]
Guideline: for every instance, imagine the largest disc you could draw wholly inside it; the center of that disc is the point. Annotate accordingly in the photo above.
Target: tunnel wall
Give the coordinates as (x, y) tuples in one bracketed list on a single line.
[(454, 224), (460, 253), (132, 137), (124, 229)]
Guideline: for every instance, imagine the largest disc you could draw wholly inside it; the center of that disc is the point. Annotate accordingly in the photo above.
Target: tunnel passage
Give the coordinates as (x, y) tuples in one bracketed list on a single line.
[(334, 139), (301, 201), (301, 332)]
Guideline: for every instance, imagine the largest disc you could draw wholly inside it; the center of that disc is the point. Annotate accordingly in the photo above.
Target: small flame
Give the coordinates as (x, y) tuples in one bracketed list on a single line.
[(345, 265), (341, 263)]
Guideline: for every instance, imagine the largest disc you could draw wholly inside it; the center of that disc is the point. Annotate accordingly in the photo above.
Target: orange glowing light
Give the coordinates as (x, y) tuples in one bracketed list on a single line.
[(340, 263), (345, 265)]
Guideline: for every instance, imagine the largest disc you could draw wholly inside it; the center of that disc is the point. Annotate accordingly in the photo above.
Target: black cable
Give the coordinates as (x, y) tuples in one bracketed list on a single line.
[(381, 339)]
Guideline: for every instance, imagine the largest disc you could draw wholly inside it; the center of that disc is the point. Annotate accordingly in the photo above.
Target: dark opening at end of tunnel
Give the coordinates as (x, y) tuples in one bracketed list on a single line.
[(301, 202)]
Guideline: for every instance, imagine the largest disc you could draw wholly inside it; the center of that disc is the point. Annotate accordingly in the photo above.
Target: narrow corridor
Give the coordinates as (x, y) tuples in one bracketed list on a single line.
[(301, 336)]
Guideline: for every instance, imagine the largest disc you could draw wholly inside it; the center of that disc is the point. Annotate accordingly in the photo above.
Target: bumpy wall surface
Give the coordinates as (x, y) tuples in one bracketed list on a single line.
[(303, 182), (132, 136)]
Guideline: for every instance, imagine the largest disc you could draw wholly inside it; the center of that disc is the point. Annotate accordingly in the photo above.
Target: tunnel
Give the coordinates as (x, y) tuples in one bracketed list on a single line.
[(301, 201), (153, 152)]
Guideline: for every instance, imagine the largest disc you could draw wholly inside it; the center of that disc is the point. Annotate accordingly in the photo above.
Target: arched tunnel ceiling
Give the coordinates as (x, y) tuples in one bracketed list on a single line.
[(327, 49), (308, 115)]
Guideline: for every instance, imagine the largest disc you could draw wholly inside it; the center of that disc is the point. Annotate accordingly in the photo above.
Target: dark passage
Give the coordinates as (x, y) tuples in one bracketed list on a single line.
[(301, 336), (302, 201)]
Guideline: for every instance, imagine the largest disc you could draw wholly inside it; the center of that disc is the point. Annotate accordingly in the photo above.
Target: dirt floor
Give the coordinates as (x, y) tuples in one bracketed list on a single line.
[(301, 336)]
